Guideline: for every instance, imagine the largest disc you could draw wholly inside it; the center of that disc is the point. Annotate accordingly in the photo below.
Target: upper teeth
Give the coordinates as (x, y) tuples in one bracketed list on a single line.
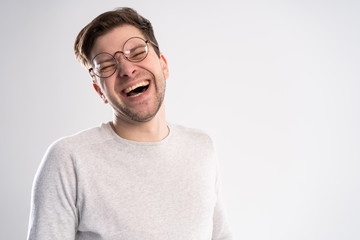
[(140, 84)]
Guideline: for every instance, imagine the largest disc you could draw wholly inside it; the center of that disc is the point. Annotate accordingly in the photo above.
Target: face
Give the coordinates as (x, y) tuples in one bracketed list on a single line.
[(136, 90)]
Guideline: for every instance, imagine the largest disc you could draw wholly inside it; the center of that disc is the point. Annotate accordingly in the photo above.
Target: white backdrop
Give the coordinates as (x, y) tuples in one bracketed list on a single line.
[(276, 84)]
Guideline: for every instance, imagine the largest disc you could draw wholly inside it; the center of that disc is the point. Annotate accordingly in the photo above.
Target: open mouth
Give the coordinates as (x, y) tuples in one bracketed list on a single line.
[(137, 89)]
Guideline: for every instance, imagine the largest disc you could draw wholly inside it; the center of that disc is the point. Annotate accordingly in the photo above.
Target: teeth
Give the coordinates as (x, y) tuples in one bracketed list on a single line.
[(135, 95), (140, 84)]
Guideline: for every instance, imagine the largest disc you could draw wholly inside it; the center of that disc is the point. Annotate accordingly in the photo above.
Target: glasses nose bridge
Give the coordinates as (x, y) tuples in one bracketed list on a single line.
[(124, 66), (122, 53)]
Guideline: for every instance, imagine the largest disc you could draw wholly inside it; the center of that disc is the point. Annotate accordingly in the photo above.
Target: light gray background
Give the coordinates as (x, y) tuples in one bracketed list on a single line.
[(276, 83)]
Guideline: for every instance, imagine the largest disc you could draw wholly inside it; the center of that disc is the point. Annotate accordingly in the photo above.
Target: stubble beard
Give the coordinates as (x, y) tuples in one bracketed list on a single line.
[(140, 117)]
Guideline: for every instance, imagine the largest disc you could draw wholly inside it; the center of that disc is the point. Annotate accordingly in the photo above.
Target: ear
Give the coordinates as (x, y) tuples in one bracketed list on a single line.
[(164, 65), (98, 90)]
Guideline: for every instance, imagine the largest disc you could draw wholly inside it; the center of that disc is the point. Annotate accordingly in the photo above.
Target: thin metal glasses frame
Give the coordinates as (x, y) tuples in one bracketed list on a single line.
[(92, 72)]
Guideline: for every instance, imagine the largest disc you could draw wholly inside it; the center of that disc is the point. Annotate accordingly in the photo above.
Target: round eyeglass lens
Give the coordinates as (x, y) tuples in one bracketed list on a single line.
[(104, 65), (135, 49)]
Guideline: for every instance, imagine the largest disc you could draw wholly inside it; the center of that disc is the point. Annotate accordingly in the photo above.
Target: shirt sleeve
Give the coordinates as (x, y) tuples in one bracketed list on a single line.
[(53, 204), (221, 226)]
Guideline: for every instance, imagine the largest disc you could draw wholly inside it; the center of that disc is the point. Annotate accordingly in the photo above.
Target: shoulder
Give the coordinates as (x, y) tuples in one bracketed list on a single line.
[(188, 131), (63, 149), (192, 135), (88, 137), (60, 157)]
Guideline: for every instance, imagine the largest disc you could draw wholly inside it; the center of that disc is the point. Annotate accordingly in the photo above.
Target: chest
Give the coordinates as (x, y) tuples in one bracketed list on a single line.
[(149, 193)]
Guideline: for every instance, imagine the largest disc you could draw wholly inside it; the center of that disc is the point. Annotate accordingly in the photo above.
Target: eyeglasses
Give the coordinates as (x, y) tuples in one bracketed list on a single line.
[(135, 49)]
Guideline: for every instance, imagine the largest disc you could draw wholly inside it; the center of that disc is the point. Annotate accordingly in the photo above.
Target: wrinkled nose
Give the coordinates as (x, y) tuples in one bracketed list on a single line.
[(125, 67)]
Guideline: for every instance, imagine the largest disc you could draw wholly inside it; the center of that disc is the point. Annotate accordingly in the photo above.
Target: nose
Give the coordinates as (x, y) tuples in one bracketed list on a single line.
[(125, 68)]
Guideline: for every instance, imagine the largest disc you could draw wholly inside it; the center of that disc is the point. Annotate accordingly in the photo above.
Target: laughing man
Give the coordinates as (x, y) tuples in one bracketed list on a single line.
[(137, 177)]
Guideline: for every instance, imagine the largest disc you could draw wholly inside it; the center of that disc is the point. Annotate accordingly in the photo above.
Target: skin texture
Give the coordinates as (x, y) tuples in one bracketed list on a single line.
[(141, 118)]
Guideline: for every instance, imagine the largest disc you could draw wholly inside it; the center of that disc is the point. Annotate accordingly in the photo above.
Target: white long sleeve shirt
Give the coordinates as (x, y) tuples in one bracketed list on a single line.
[(96, 185)]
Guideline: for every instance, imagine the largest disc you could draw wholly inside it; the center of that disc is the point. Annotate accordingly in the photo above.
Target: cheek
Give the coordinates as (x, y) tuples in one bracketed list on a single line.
[(163, 71), (108, 90), (108, 84)]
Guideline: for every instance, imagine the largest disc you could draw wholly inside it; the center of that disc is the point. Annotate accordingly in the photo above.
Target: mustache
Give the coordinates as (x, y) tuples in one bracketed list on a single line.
[(139, 75)]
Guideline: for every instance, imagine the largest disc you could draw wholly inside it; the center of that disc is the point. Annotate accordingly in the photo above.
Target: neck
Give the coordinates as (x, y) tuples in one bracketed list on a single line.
[(154, 130)]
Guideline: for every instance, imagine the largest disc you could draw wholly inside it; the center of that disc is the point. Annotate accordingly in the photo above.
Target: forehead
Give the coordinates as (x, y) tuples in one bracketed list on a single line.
[(114, 40)]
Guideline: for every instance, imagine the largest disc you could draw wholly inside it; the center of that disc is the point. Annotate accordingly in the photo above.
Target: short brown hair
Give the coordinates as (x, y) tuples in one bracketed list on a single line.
[(106, 22)]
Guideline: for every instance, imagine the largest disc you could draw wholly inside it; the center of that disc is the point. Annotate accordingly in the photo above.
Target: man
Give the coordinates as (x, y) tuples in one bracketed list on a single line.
[(137, 177)]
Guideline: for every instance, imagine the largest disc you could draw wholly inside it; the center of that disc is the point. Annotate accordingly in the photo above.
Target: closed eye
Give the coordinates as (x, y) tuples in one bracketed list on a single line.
[(107, 68), (138, 54)]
